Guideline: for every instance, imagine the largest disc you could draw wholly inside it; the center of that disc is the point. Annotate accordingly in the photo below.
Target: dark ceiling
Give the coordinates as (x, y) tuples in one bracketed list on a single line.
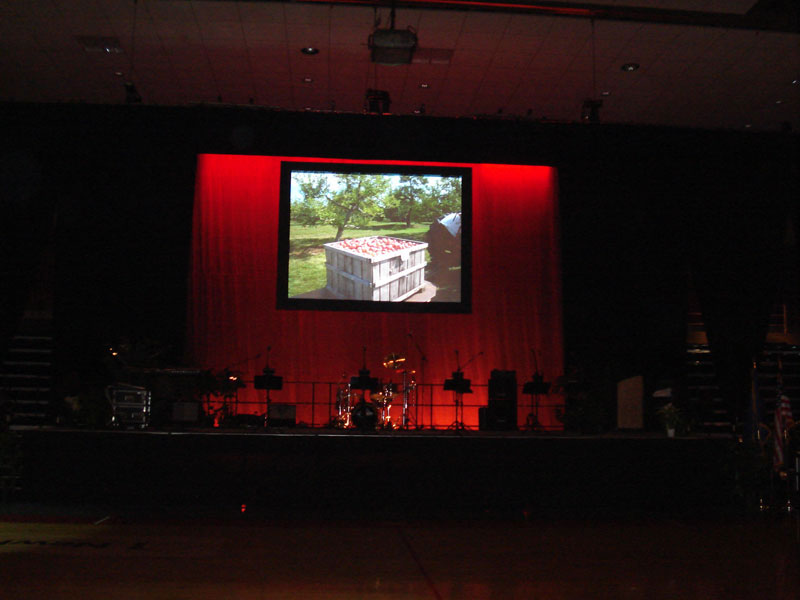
[(731, 64)]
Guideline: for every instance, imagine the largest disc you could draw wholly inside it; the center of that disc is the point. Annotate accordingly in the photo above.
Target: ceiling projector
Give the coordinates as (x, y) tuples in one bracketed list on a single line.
[(392, 46)]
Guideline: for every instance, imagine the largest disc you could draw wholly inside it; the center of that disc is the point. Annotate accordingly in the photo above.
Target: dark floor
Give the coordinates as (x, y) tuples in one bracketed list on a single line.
[(100, 553), (173, 515)]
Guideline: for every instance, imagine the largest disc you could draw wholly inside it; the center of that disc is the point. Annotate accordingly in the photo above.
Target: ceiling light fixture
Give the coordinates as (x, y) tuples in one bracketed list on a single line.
[(630, 67), (132, 95), (377, 101), (309, 50), (96, 43), (590, 110)]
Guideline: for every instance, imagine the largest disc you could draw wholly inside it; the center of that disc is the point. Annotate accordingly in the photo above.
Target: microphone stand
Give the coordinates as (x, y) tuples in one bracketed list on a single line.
[(459, 386), (422, 360), (537, 385), (268, 381)]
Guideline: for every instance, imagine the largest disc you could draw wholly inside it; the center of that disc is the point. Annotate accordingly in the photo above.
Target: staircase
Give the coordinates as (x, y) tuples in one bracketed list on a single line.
[(779, 372), (777, 361), (26, 375), (708, 406)]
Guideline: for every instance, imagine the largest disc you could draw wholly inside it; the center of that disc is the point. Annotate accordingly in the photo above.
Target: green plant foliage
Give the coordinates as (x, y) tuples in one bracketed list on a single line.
[(357, 199)]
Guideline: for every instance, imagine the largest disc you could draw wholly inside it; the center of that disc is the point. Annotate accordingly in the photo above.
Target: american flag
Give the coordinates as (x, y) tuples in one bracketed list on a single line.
[(783, 421)]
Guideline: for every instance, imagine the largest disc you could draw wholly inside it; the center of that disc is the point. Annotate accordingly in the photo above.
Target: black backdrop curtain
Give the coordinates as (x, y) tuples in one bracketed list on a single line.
[(742, 261), (639, 208)]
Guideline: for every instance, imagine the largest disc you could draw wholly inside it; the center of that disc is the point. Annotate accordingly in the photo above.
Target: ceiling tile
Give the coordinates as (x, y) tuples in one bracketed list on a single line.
[(486, 23), (185, 50), (306, 14), (180, 12), (349, 36), (261, 13), (215, 12)]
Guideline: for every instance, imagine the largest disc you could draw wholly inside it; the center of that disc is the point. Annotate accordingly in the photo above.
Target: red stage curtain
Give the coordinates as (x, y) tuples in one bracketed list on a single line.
[(516, 297)]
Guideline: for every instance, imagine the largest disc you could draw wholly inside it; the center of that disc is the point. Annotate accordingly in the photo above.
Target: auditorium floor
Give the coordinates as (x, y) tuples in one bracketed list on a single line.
[(94, 554)]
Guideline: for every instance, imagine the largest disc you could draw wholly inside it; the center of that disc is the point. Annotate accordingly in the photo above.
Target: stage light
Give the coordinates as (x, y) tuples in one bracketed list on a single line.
[(590, 111), (131, 94), (309, 50), (377, 101), (630, 67)]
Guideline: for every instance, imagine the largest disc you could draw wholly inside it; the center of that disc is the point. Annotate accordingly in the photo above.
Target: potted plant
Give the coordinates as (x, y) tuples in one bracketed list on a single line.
[(670, 416)]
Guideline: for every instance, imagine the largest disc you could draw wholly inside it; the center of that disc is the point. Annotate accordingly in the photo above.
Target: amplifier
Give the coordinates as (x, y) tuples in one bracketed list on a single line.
[(130, 405)]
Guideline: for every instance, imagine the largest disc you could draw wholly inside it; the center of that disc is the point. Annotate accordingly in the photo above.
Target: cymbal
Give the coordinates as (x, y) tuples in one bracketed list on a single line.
[(393, 360)]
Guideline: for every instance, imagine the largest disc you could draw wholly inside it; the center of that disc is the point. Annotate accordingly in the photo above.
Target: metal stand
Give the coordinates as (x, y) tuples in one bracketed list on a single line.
[(458, 424), (268, 381), (459, 386), (422, 360), (534, 388), (408, 384)]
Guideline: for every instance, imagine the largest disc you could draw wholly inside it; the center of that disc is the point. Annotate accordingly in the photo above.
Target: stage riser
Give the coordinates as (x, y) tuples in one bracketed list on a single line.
[(374, 473)]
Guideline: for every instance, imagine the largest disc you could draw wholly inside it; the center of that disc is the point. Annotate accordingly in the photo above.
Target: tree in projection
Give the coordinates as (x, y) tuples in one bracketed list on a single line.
[(407, 199), (347, 199), (443, 197)]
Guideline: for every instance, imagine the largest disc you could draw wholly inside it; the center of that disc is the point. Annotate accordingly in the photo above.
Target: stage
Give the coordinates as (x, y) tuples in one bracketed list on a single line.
[(383, 474)]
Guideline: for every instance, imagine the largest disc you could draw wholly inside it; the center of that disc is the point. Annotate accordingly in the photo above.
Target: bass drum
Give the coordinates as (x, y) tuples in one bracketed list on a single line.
[(364, 416)]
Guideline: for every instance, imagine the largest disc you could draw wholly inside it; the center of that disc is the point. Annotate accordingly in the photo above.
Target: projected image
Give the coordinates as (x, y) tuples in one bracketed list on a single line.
[(367, 234)]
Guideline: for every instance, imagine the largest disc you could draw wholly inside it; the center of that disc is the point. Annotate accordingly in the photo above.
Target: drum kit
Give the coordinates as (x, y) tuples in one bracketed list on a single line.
[(364, 403)]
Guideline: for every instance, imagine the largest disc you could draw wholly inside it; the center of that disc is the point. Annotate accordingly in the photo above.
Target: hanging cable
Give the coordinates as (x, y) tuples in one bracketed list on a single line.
[(594, 65), (131, 93)]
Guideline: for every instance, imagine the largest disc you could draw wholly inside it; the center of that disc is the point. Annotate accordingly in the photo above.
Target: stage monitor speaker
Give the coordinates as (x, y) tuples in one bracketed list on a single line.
[(630, 394), (503, 385), (501, 412), (497, 417), (281, 415)]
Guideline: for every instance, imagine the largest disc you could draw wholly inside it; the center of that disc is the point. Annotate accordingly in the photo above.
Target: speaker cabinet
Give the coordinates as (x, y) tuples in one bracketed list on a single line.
[(501, 412), (503, 385)]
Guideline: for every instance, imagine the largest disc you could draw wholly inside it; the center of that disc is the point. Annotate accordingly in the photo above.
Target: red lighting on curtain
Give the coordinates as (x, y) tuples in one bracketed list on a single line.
[(516, 297)]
